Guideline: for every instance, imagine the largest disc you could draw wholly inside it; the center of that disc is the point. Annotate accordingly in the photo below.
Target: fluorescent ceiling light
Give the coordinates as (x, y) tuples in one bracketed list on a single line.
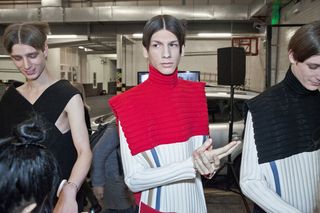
[(81, 47), (214, 35), (63, 36), (4, 56), (137, 35)]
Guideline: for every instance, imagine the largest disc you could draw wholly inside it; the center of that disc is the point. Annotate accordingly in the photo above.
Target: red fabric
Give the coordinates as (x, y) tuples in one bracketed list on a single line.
[(147, 209), (162, 110)]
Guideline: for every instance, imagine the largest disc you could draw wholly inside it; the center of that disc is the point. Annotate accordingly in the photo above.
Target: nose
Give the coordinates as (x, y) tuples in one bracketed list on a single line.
[(26, 63), (166, 53)]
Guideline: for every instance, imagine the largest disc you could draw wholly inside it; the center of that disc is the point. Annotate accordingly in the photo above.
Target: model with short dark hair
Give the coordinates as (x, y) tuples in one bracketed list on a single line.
[(163, 125), (280, 168)]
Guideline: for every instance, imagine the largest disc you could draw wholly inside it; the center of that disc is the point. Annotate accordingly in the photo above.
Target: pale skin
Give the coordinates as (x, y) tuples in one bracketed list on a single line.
[(164, 54), (32, 64), (307, 72)]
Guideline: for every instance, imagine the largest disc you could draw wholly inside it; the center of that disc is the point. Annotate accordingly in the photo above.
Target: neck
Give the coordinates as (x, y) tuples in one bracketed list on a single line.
[(43, 81), (158, 78)]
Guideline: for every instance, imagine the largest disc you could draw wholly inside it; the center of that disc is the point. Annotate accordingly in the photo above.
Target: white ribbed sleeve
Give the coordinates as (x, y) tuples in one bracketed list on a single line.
[(180, 188), (298, 178)]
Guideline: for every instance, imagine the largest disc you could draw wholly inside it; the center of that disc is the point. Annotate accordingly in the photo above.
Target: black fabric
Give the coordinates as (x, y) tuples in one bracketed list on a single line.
[(286, 120), (14, 108)]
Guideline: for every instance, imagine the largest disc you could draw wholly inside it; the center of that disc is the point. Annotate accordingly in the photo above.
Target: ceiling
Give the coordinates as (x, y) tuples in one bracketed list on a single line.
[(99, 22)]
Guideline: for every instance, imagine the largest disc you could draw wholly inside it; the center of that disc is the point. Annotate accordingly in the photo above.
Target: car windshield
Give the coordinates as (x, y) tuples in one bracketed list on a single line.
[(219, 109)]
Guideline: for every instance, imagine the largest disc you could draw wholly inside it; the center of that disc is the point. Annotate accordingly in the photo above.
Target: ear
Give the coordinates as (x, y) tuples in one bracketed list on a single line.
[(182, 50), (145, 52), (291, 58), (46, 49)]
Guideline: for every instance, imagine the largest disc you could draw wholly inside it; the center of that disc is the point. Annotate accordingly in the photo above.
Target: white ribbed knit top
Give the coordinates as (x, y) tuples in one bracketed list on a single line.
[(283, 186), (165, 176)]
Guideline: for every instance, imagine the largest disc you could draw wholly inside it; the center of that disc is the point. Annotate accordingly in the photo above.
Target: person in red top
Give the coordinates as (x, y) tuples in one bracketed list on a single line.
[(163, 128)]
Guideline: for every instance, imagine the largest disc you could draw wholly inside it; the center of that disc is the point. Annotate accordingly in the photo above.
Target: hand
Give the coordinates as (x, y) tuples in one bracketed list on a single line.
[(217, 154), (201, 162), (67, 200), (98, 192)]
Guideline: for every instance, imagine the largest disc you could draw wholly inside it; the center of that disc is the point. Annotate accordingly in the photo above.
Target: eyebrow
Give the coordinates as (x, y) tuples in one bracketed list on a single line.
[(162, 42), (35, 52)]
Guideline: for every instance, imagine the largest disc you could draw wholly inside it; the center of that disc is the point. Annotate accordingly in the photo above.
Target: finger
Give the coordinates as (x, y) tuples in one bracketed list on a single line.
[(208, 167), (216, 162), (198, 163), (225, 150), (205, 145), (229, 151)]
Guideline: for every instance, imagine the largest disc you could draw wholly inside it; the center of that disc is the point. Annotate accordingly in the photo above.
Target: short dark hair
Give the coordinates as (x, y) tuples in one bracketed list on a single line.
[(33, 34), (305, 42), (168, 22), (29, 172)]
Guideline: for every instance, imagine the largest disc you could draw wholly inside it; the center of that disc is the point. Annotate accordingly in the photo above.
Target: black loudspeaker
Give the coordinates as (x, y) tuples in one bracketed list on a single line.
[(231, 66)]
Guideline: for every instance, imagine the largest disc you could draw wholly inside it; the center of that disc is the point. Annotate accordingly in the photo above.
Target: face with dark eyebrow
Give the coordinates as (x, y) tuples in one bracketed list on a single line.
[(307, 72), (30, 61), (164, 52)]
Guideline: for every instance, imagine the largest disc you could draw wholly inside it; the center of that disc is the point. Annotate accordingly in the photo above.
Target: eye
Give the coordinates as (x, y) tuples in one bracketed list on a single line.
[(155, 45), (33, 55), (313, 66), (16, 58), (174, 45)]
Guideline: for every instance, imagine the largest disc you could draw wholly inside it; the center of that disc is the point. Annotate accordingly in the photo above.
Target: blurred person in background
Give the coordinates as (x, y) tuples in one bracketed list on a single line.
[(107, 174)]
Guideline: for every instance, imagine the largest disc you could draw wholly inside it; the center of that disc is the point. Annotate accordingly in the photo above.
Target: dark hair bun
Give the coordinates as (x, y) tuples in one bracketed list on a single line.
[(32, 131)]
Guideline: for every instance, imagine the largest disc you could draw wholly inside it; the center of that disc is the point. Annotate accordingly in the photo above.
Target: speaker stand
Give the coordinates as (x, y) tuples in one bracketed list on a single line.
[(231, 174)]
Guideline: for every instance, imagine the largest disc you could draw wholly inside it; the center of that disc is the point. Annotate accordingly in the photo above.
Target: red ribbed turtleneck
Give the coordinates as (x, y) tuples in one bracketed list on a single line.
[(162, 110)]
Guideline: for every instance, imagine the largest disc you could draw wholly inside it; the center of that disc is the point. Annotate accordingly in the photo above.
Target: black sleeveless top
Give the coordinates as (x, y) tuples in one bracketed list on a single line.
[(286, 120), (14, 109)]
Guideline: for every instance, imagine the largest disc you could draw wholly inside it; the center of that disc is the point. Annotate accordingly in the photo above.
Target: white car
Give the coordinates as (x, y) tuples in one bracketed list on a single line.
[(218, 100)]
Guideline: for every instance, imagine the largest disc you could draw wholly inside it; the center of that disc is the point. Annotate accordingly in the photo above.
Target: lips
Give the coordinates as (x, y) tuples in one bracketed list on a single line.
[(167, 65)]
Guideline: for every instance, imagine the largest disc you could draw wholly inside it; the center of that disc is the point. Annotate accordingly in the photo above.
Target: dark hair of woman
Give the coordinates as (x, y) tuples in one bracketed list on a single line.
[(167, 22), (305, 42), (33, 34), (29, 172)]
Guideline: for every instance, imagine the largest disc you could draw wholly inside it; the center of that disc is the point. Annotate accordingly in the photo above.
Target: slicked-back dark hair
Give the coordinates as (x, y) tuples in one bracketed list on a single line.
[(305, 42), (167, 22), (29, 172), (33, 34)]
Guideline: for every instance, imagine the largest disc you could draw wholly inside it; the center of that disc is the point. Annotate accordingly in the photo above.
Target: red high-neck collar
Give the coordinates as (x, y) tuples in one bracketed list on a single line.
[(157, 77)]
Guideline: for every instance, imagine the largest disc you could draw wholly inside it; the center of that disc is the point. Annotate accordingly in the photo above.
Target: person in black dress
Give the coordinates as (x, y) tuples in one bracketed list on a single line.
[(56, 100)]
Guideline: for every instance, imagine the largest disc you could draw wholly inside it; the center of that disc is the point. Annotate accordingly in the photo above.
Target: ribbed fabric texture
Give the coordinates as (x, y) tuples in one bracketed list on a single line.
[(162, 110), (286, 120), (298, 175), (167, 181)]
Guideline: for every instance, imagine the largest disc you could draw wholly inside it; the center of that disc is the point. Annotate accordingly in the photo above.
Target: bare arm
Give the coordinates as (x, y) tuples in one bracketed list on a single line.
[(75, 113)]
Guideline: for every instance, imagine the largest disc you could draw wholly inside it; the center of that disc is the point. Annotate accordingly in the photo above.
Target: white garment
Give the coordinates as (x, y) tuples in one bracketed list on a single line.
[(298, 178), (165, 176)]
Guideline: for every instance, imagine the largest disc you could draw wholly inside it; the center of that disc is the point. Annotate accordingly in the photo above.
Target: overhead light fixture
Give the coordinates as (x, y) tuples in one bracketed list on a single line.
[(4, 56), (81, 47), (214, 35), (67, 36), (137, 35)]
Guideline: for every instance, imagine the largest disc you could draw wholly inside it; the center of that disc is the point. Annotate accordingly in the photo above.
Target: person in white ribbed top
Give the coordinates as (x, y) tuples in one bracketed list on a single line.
[(280, 169), (163, 126)]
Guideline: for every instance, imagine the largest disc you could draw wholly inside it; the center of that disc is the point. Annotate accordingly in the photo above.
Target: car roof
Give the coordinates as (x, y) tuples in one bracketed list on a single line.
[(224, 92)]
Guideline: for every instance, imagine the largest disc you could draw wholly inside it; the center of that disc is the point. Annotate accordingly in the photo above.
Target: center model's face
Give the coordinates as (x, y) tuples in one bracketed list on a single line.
[(164, 52), (28, 60), (308, 72)]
